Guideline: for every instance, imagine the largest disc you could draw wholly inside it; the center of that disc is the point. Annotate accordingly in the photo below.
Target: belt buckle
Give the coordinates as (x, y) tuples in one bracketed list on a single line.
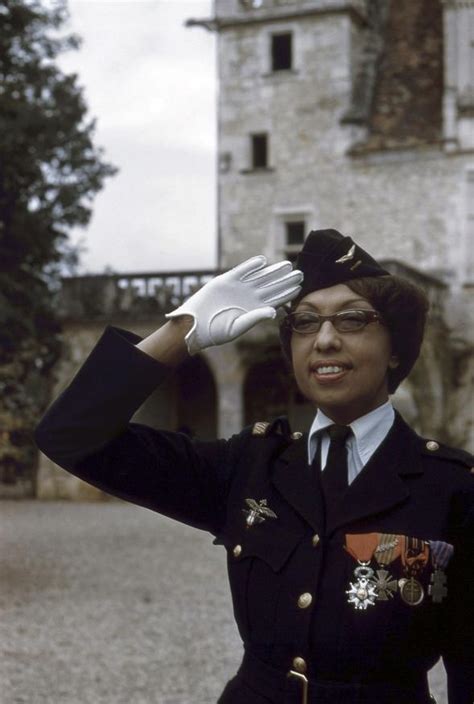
[(304, 685)]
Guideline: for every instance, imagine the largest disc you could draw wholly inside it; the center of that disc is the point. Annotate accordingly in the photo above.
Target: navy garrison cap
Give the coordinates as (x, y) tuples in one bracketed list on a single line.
[(328, 258)]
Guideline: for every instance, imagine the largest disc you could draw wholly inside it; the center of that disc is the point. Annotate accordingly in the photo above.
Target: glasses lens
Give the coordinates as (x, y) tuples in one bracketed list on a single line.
[(305, 323), (349, 320)]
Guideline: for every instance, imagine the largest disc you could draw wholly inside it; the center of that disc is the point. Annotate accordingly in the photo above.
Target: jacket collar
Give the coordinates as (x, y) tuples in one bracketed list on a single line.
[(379, 487)]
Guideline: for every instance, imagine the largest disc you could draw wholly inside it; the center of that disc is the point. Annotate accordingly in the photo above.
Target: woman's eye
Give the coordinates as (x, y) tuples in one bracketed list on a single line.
[(305, 321), (352, 319)]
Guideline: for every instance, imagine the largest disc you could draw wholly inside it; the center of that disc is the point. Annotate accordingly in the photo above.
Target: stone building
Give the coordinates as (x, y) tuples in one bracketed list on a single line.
[(353, 114)]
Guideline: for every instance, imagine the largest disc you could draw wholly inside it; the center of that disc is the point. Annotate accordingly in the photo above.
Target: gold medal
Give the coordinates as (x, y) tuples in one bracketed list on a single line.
[(412, 592), (415, 553)]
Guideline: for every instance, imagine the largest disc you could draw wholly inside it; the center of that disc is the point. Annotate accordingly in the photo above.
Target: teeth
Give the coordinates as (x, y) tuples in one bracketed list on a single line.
[(329, 370)]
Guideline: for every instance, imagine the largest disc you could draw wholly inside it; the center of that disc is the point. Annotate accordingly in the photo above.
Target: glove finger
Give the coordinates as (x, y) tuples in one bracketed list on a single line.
[(268, 293), (270, 272), (294, 278), (248, 320), (248, 266), (284, 297)]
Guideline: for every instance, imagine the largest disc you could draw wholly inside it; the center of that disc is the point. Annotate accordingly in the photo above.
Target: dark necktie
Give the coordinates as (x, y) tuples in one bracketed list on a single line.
[(334, 476)]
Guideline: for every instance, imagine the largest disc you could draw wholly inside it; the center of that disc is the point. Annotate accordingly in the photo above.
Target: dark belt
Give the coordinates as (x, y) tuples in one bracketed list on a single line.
[(293, 687)]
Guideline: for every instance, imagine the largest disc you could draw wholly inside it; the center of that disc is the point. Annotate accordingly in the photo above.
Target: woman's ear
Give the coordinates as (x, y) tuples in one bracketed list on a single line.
[(394, 362)]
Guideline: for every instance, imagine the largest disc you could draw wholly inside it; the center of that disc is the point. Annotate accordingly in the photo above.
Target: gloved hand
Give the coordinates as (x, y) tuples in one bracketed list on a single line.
[(232, 303)]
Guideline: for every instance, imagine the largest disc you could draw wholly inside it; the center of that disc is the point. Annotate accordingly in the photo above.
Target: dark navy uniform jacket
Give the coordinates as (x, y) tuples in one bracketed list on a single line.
[(379, 655)]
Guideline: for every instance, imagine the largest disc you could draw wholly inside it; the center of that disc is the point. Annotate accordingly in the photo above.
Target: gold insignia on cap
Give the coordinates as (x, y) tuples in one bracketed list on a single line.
[(296, 435), (432, 445), (346, 257), (260, 428)]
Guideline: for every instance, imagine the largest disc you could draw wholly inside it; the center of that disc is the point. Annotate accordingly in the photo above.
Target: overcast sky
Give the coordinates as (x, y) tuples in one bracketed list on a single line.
[(151, 83)]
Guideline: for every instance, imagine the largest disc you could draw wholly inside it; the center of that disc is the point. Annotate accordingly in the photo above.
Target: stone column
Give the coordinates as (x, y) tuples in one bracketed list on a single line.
[(228, 370), (53, 482)]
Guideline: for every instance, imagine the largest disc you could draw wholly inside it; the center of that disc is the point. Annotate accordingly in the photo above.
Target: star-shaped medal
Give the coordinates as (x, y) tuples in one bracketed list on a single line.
[(362, 594)]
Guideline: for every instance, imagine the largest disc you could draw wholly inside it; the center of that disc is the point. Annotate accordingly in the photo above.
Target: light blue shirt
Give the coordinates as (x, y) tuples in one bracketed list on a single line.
[(367, 433)]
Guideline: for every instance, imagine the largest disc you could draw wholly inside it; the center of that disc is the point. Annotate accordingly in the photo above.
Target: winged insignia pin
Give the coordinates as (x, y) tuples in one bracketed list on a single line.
[(257, 512), (347, 257)]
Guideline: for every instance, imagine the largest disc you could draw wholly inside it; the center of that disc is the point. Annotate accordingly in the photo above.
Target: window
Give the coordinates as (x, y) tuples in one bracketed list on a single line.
[(281, 51), (259, 151), (294, 238)]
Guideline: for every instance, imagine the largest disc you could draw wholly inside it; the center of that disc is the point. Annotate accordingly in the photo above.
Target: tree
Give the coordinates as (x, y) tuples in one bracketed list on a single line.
[(50, 171)]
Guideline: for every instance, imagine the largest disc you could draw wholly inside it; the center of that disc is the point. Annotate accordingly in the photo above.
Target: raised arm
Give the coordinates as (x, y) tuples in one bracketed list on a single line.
[(87, 429)]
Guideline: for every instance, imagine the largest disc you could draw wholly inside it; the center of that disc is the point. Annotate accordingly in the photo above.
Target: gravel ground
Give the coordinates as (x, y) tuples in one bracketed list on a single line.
[(112, 604)]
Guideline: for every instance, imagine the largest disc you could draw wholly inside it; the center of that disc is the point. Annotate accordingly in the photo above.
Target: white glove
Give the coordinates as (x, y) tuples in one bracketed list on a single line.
[(232, 303)]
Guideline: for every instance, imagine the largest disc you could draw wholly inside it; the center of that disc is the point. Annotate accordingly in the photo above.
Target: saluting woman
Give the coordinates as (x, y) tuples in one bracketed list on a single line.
[(350, 549)]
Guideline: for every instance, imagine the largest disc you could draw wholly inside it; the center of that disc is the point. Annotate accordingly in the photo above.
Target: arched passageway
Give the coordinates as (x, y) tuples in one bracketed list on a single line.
[(270, 391), (186, 402), (196, 399)]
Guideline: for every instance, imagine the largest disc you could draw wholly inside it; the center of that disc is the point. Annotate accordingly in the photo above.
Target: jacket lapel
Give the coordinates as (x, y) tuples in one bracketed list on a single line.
[(295, 481), (380, 485), (378, 488)]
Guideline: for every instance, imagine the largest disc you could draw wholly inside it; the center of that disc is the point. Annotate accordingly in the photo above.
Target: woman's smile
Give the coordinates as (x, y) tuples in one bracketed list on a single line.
[(329, 371)]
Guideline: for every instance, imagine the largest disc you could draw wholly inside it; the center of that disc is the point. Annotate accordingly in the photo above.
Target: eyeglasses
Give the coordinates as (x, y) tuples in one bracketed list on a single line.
[(308, 323)]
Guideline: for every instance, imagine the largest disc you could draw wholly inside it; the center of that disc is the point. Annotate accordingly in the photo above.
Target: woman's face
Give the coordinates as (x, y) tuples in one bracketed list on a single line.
[(344, 374)]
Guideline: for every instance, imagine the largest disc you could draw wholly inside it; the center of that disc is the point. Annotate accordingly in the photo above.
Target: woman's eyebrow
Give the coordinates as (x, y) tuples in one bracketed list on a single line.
[(342, 306)]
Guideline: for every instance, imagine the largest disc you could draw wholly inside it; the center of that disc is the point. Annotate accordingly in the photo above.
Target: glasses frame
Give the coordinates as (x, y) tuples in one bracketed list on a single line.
[(372, 316)]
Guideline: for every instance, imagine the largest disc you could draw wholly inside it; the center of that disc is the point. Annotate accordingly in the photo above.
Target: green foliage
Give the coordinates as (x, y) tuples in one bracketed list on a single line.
[(50, 171)]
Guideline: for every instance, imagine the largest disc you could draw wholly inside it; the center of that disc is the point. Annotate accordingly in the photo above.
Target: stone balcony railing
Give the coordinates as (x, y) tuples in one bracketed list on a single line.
[(100, 297), (132, 295)]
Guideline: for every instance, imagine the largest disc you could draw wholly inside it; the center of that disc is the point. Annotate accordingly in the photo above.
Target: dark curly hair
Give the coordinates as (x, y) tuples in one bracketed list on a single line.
[(404, 308)]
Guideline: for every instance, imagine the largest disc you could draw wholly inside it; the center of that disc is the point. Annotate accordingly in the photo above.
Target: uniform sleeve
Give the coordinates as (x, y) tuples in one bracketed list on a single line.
[(87, 432), (458, 625)]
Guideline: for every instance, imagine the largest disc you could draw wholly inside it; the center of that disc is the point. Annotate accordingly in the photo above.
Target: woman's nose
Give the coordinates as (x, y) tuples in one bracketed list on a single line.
[(327, 338)]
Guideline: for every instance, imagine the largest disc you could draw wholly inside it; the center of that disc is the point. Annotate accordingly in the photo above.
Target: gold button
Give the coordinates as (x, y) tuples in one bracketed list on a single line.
[(296, 435), (304, 600), (300, 665), (237, 551), (432, 445), (315, 540)]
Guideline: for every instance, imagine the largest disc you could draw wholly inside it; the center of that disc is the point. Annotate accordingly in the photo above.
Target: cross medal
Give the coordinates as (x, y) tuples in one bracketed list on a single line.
[(437, 588), (385, 585)]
